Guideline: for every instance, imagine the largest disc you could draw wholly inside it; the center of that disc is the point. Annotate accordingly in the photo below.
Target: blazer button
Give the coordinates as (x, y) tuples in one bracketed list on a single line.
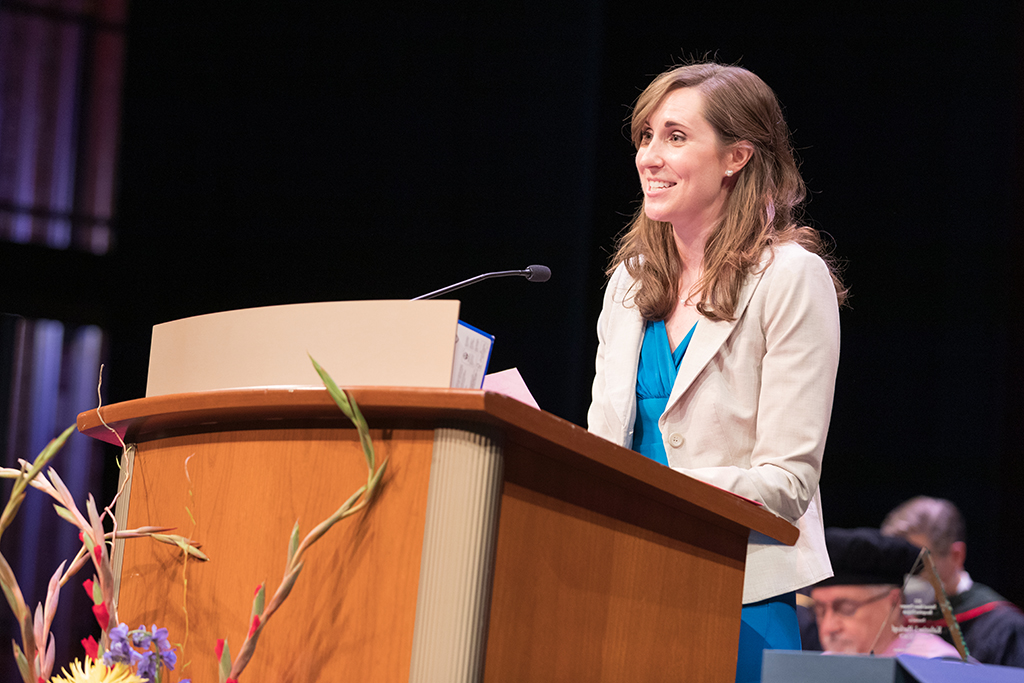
[(675, 439)]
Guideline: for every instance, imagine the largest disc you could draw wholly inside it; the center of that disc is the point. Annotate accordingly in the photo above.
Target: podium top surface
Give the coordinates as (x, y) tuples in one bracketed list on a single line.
[(157, 417)]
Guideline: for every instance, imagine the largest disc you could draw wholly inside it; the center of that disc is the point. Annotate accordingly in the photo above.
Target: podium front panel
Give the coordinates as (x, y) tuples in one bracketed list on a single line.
[(596, 583), (352, 611)]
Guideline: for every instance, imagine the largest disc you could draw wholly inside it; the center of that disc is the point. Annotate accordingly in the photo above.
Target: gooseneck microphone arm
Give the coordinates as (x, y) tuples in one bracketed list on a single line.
[(533, 274)]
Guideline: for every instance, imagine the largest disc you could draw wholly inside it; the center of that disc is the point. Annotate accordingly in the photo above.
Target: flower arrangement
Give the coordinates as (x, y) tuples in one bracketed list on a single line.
[(123, 655), (97, 672), (36, 654), (147, 662)]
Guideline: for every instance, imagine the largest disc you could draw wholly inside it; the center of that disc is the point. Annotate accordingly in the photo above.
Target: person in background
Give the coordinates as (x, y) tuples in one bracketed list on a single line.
[(719, 335), (858, 609), (993, 627)]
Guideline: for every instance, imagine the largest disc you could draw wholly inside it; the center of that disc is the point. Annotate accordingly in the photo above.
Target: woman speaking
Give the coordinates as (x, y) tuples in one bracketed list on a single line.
[(719, 334)]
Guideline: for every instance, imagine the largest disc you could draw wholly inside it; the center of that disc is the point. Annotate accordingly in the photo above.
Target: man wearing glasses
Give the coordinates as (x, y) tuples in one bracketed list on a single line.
[(859, 609), (993, 627)]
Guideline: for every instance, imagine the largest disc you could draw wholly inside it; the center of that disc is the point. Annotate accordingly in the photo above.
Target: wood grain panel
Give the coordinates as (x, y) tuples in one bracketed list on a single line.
[(355, 599), (623, 589)]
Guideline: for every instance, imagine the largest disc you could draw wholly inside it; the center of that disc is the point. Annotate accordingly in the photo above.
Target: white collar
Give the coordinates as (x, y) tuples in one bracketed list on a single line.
[(965, 583)]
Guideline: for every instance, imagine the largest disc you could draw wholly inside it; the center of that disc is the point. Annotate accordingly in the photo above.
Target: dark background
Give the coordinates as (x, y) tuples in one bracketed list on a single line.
[(289, 152)]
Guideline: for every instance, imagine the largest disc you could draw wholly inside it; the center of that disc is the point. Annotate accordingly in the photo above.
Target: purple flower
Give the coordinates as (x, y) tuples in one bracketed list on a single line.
[(169, 658), (120, 650), (119, 634), (141, 637), (160, 636), (147, 665), (167, 654)]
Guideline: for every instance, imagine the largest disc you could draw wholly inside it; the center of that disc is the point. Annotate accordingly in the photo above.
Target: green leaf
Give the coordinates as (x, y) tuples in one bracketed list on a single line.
[(26, 675), (11, 509), (97, 592), (339, 396), (12, 592), (9, 595), (364, 436), (46, 455), (66, 515), (225, 662), (377, 476), (257, 603), (22, 482), (197, 553), (87, 539), (183, 543), (293, 543), (64, 494)]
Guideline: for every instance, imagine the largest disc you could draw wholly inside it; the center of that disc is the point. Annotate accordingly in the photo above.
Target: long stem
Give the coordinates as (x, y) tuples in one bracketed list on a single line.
[(350, 409)]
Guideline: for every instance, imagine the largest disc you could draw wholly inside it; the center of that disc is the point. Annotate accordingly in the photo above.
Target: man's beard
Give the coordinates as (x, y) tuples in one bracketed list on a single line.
[(841, 645)]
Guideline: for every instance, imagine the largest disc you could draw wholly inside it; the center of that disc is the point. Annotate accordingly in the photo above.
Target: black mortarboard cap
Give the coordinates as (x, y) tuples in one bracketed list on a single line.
[(864, 557)]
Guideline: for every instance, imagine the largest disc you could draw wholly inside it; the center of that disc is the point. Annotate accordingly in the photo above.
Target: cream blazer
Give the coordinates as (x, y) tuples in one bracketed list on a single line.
[(750, 408)]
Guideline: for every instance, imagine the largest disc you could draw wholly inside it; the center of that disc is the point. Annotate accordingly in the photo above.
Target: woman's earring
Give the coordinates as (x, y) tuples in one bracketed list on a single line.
[(729, 172)]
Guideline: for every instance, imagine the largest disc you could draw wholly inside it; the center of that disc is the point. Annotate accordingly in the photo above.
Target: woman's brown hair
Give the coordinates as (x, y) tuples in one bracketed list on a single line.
[(762, 209)]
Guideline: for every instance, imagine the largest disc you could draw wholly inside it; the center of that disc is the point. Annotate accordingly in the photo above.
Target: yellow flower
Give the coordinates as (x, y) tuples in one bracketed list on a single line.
[(97, 672)]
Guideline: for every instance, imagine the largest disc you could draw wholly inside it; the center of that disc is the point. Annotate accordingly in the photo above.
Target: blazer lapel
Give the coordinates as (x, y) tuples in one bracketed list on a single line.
[(707, 339), (621, 370)]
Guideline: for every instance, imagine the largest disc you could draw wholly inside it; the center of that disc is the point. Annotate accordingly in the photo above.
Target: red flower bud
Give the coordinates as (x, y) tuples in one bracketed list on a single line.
[(88, 587), (102, 615), (255, 625), (220, 648), (92, 648)]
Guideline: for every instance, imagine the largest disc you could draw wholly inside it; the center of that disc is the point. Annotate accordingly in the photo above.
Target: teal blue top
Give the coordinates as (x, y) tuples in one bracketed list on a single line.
[(655, 375)]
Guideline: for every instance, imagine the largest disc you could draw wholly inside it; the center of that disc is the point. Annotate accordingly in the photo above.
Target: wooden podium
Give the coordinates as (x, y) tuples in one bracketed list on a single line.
[(505, 544)]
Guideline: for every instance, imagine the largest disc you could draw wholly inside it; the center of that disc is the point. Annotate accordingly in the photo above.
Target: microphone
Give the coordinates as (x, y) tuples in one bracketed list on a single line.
[(533, 274)]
